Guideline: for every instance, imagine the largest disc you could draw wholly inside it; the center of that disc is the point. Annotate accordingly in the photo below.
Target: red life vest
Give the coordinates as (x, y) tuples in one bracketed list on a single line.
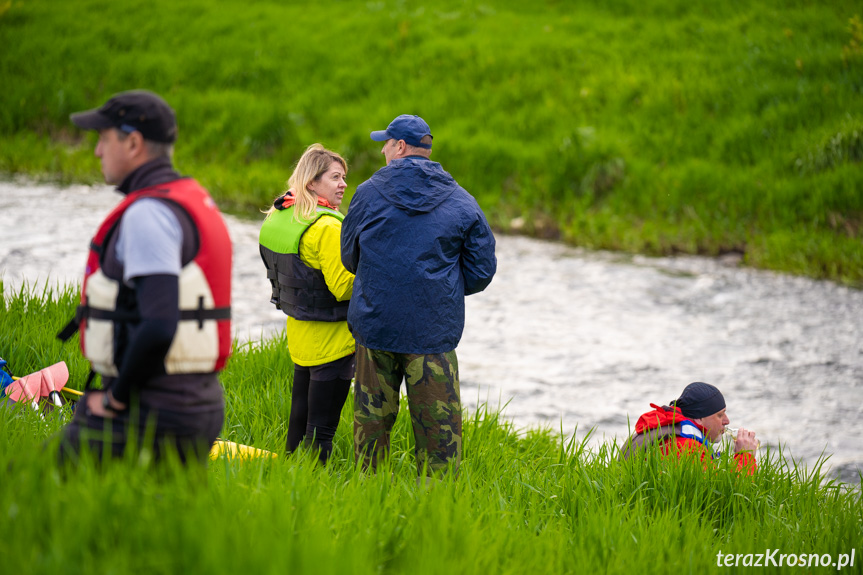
[(658, 426), (202, 342)]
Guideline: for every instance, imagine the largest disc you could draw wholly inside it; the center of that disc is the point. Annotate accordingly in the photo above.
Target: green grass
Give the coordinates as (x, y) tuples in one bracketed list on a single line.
[(524, 502), (659, 127)]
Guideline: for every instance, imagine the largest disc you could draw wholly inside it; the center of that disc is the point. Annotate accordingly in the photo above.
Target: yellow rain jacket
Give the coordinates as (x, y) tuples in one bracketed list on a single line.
[(318, 342)]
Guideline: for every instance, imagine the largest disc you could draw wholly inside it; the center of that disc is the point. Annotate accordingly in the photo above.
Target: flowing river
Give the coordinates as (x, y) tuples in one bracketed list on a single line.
[(568, 338)]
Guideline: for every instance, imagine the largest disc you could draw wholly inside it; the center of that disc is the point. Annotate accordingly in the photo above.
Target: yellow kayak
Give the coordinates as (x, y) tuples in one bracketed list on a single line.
[(233, 450)]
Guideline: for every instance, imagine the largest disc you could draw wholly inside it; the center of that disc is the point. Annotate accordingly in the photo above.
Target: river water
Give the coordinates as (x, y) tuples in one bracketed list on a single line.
[(569, 338)]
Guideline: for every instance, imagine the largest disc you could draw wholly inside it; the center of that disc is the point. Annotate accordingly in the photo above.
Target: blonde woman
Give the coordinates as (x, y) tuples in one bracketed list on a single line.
[(299, 243)]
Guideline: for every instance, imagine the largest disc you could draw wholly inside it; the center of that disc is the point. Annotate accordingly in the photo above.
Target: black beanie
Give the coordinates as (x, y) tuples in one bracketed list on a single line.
[(699, 399)]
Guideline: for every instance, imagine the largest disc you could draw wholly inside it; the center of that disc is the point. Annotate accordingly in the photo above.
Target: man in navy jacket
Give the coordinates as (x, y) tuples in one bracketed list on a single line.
[(418, 244)]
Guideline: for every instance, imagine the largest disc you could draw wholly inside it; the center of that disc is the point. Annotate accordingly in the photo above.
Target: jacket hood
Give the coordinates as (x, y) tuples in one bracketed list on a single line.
[(414, 184), (661, 416)]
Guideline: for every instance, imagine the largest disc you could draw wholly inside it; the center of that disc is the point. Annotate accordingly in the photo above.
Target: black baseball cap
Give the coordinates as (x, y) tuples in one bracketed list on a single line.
[(700, 399), (132, 111)]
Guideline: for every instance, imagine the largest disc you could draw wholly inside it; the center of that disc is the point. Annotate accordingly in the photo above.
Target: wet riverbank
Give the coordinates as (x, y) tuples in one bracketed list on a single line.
[(570, 338)]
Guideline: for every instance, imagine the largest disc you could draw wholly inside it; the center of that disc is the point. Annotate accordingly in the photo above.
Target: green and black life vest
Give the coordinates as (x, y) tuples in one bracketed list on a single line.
[(298, 289)]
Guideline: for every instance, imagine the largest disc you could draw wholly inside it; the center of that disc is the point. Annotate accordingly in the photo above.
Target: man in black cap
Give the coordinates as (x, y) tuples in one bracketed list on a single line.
[(690, 424), (154, 317)]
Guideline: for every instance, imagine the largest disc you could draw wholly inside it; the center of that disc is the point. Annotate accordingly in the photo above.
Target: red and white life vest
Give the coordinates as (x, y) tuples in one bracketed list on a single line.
[(202, 342)]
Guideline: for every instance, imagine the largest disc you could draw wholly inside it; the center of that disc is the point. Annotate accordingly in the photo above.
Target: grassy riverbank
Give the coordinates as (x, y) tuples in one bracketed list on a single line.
[(658, 127), (524, 502)]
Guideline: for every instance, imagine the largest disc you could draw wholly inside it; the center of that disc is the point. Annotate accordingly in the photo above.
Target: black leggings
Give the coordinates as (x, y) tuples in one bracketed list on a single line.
[(316, 407)]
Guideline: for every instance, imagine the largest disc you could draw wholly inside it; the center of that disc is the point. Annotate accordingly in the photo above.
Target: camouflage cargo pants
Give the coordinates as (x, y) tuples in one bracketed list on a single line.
[(433, 399)]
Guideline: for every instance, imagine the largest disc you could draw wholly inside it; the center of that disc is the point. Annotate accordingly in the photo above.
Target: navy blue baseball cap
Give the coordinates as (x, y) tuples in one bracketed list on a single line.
[(700, 399), (132, 111), (406, 127)]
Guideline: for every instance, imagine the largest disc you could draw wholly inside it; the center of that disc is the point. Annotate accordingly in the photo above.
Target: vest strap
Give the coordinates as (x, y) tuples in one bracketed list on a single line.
[(199, 314), (202, 314), (73, 326), (90, 377)]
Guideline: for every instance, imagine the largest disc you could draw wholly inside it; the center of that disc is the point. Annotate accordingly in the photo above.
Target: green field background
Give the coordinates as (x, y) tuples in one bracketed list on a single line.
[(656, 127)]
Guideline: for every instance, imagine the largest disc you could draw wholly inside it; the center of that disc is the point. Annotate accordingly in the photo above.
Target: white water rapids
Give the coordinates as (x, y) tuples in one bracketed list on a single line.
[(570, 338)]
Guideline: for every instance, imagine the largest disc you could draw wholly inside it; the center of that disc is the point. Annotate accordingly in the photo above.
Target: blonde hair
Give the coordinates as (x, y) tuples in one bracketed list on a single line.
[(313, 164)]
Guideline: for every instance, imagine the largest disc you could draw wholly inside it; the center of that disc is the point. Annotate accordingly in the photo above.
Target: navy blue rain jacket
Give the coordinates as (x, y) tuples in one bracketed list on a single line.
[(418, 243)]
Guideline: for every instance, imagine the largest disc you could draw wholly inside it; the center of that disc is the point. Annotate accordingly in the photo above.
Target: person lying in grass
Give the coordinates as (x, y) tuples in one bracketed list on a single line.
[(689, 425)]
